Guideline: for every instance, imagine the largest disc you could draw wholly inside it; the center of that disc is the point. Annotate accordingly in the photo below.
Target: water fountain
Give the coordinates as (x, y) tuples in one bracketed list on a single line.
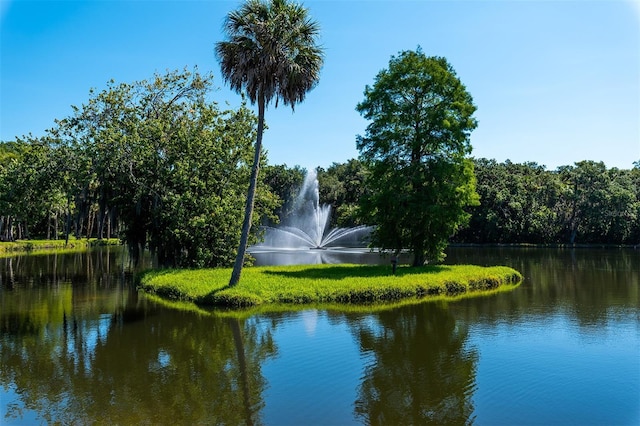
[(307, 227)]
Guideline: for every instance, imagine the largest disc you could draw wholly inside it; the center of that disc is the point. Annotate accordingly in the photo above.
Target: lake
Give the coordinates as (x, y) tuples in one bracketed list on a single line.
[(78, 345)]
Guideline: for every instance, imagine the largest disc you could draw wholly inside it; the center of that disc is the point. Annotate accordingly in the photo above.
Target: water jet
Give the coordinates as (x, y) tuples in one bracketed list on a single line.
[(307, 226)]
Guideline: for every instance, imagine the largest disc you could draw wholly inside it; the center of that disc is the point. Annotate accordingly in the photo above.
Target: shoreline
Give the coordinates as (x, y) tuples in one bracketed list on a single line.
[(19, 247), (549, 245)]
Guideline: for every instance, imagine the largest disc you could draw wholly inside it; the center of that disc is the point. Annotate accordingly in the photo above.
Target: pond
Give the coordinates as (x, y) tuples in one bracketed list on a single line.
[(78, 345)]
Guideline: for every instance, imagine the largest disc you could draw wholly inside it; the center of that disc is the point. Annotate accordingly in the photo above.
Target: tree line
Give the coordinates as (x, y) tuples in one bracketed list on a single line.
[(585, 203), (154, 163), (159, 165)]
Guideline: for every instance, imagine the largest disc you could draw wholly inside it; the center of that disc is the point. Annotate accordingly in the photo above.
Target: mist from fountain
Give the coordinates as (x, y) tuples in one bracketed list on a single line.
[(306, 227)]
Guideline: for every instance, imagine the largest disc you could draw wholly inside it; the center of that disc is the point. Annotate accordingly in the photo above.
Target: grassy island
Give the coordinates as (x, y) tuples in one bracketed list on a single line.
[(303, 284)]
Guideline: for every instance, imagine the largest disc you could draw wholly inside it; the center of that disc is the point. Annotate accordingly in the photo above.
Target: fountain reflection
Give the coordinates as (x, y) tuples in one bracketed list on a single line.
[(275, 256)]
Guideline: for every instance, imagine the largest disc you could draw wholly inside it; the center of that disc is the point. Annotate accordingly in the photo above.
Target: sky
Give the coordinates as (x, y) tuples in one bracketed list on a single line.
[(555, 81)]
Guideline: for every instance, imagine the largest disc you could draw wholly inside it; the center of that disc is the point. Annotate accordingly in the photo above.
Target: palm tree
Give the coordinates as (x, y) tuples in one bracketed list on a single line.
[(271, 53)]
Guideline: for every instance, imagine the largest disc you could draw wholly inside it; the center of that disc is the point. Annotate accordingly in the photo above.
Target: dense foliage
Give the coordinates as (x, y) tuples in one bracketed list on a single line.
[(586, 203), (525, 203), (342, 186), (156, 165), (416, 146), (152, 162), (285, 183)]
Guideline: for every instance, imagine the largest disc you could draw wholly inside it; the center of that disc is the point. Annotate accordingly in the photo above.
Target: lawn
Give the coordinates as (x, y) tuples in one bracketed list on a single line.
[(344, 283)]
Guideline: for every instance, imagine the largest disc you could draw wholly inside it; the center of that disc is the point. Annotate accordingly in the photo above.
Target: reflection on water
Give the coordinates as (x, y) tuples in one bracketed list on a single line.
[(422, 372), (96, 350), (79, 345), (590, 285), (304, 256)]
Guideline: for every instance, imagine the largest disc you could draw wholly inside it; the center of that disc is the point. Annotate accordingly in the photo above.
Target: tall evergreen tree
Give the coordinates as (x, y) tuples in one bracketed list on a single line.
[(416, 147)]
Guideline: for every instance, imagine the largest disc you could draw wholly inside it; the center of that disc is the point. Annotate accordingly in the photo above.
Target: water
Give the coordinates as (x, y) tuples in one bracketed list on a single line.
[(276, 256), (78, 345), (307, 226)]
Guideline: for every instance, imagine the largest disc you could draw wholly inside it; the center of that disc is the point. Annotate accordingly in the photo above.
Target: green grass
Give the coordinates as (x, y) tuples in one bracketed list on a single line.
[(45, 246), (326, 284)]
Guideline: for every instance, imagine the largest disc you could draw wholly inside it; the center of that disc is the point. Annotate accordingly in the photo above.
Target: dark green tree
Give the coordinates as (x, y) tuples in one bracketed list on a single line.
[(517, 204), (271, 52), (284, 182), (623, 209), (27, 187), (416, 148), (600, 205), (634, 178), (342, 186), (169, 162), (10, 158)]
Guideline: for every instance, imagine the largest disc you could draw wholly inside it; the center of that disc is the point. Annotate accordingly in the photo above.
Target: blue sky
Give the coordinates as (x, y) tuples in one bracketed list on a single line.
[(555, 82)]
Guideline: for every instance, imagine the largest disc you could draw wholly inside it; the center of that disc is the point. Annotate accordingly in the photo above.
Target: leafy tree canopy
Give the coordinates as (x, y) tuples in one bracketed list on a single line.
[(341, 186), (155, 158), (416, 147)]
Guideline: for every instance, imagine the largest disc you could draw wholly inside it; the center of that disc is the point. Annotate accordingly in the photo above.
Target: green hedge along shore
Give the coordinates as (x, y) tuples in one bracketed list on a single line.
[(344, 283), (42, 246)]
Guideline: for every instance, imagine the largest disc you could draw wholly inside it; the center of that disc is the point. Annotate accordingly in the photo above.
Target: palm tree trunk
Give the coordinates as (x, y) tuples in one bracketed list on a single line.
[(248, 211)]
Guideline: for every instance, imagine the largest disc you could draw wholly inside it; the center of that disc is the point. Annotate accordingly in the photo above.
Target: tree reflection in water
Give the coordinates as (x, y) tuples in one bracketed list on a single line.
[(101, 353), (422, 373), (79, 346), (137, 366)]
